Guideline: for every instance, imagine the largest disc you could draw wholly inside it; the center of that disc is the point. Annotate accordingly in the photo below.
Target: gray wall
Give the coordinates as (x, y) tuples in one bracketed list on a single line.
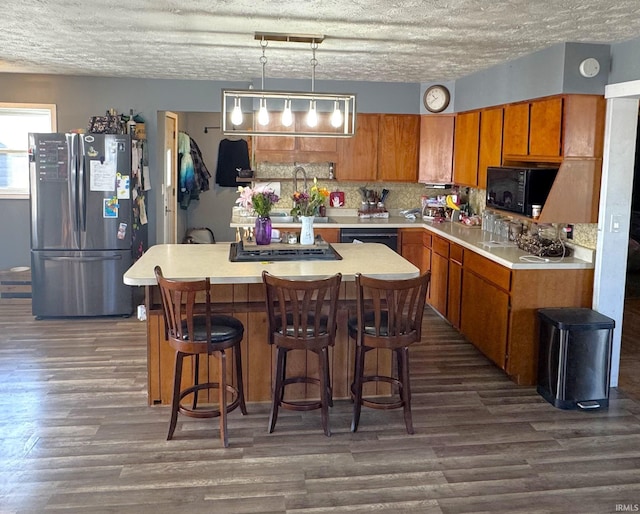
[(77, 98), (551, 71), (625, 65)]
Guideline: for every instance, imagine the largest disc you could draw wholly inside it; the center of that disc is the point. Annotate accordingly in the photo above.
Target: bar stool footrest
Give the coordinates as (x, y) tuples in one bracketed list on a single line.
[(207, 413), (380, 404), (300, 405)]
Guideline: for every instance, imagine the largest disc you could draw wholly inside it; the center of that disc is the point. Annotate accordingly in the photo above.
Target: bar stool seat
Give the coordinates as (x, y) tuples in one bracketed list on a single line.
[(193, 335), (389, 317), (301, 316)]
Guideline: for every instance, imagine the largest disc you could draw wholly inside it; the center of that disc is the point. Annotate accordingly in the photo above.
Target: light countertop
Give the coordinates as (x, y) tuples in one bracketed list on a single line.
[(474, 238), (195, 261)]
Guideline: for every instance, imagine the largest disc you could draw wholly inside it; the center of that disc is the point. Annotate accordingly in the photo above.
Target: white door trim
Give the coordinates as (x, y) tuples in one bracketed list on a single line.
[(615, 208)]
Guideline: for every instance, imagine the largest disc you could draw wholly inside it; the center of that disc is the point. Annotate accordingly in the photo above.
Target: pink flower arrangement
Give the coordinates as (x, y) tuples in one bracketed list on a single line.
[(261, 200)]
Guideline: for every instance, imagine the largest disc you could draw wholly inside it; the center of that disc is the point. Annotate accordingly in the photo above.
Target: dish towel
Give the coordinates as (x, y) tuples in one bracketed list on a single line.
[(232, 156)]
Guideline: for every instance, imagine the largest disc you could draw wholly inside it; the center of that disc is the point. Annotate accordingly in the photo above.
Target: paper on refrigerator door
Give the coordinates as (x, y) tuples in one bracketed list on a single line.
[(102, 175)]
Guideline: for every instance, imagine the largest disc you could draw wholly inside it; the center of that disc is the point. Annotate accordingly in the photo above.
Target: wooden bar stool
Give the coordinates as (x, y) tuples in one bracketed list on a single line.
[(389, 316), (302, 316), (193, 334)]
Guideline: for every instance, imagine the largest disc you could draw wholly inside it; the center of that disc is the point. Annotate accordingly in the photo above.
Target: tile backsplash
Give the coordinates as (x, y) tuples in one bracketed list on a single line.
[(402, 195)]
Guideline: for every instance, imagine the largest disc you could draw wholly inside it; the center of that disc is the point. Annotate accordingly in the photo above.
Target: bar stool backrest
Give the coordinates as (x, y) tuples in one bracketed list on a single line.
[(179, 305), (390, 312), (301, 313)]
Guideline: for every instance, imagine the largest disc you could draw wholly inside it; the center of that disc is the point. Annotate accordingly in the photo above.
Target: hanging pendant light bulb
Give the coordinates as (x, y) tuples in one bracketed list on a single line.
[(236, 114), (336, 115), (263, 114), (287, 115), (312, 115)]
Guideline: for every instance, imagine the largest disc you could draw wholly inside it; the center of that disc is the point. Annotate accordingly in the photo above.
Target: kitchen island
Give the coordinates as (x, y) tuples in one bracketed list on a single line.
[(237, 290)]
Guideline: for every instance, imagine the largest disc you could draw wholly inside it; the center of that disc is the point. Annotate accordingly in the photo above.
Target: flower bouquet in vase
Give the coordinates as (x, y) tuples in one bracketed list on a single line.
[(306, 207), (261, 200)]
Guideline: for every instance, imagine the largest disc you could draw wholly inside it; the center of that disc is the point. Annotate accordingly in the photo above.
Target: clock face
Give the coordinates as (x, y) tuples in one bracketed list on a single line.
[(436, 98)]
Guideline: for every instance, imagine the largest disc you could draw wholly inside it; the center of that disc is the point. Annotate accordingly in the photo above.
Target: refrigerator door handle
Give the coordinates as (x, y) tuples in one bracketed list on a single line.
[(82, 186), (72, 155), (83, 259)]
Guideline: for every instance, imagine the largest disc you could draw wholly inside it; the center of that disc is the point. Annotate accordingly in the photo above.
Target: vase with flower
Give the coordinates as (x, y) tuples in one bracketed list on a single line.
[(306, 206), (261, 201)]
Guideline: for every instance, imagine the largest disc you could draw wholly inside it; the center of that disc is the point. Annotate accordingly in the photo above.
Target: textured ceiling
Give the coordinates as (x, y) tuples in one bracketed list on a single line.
[(370, 40)]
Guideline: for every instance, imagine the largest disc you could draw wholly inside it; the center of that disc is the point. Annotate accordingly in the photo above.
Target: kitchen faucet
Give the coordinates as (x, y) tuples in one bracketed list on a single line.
[(295, 178)]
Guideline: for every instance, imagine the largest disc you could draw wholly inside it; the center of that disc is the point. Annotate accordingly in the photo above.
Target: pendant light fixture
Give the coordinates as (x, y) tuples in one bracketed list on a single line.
[(338, 109)]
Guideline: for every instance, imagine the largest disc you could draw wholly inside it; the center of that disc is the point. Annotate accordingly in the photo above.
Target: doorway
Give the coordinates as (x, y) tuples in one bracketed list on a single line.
[(170, 173)]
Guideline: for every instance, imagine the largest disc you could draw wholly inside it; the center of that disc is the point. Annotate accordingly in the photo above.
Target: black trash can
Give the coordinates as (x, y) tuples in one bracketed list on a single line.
[(574, 365)]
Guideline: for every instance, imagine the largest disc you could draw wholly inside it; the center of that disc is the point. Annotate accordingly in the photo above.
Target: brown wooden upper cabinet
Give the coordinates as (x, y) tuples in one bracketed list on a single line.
[(292, 149), (358, 155), (490, 153), (533, 130), (436, 149), (385, 148), (466, 148)]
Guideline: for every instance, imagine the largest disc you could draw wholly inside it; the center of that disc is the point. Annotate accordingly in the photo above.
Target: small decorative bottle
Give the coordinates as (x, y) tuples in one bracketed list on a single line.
[(131, 124)]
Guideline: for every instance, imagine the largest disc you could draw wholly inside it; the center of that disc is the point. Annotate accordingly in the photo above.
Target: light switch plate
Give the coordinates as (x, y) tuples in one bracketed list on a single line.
[(615, 222)]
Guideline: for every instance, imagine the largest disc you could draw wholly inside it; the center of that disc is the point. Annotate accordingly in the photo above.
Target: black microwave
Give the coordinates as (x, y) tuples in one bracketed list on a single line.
[(516, 189)]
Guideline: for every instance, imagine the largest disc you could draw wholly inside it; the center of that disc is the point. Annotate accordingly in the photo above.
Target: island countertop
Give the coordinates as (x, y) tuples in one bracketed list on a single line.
[(193, 262), (239, 292)]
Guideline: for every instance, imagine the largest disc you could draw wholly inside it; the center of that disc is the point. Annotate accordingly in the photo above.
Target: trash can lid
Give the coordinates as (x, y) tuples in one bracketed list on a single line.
[(566, 318)]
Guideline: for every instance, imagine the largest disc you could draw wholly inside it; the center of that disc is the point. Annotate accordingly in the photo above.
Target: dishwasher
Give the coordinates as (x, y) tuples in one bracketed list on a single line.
[(386, 236)]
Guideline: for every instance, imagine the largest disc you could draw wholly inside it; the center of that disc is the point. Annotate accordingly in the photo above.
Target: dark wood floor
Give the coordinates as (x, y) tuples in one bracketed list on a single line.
[(78, 437)]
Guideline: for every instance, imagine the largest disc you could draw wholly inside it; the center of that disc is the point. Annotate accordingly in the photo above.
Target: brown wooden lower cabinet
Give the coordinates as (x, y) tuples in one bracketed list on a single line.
[(532, 290), (499, 309), (454, 289), (415, 246), (439, 274), (330, 235), (485, 316), (495, 307)]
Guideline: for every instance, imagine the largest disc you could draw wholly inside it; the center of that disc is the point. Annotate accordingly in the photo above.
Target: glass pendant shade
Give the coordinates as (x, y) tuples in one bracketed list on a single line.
[(312, 115), (287, 115), (263, 114), (336, 116), (236, 114)]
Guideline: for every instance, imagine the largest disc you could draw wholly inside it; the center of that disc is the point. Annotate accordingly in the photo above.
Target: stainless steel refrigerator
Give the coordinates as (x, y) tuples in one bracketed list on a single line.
[(81, 224)]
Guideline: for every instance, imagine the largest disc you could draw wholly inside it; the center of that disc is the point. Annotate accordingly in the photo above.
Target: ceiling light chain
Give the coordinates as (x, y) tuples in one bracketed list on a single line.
[(314, 63), (312, 115), (263, 59), (263, 113)]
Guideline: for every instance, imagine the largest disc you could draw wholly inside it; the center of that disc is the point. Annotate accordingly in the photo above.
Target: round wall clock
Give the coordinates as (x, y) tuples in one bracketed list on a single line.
[(436, 98)]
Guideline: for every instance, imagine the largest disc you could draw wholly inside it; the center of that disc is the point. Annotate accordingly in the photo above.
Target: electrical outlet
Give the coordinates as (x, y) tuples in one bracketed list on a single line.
[(568, 230)]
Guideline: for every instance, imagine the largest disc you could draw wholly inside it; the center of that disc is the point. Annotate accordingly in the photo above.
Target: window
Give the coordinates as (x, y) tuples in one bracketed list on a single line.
[(16, 121)]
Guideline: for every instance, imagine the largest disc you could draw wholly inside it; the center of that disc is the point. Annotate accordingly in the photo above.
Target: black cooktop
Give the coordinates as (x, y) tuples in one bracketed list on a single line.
[(247, 251)]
